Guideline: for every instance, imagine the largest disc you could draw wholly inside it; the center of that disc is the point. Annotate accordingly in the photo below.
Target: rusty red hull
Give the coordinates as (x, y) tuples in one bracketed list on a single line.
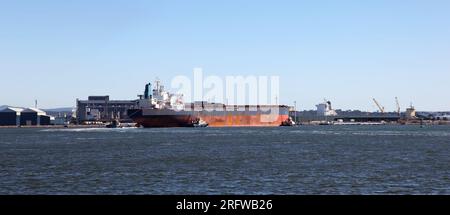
[(245, 118), (164, 121)]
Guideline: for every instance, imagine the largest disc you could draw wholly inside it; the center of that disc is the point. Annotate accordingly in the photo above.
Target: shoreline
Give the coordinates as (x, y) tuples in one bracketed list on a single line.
[(441, 123)]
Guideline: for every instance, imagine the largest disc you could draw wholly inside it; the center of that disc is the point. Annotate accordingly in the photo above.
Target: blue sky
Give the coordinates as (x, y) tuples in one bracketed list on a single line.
[(345, 51)]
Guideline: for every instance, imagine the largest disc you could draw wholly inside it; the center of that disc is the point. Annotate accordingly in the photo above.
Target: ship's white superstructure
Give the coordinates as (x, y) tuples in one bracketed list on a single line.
[(325, 109), (160, 99)]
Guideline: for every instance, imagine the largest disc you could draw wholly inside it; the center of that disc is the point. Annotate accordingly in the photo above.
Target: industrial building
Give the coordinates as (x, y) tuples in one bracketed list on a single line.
[(11, 116), (34, 116), (102, 109)]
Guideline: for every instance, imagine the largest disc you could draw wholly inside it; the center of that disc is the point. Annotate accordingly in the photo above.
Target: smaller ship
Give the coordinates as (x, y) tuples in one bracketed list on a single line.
[(114, 124), (326, 123), (325, 109), (288, 122), (199, 123)]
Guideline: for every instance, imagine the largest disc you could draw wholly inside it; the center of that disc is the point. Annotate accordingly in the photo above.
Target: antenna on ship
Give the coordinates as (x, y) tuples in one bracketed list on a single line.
[(398, 106), (157, 82), (295, 111)]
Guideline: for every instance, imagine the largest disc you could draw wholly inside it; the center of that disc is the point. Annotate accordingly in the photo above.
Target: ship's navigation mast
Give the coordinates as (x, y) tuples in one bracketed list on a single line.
[(398, 106), (157, 86), (295, 111)]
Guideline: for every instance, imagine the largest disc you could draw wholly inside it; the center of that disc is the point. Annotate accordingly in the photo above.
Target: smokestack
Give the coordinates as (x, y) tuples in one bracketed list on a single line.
[(35, 103), (147, 91)]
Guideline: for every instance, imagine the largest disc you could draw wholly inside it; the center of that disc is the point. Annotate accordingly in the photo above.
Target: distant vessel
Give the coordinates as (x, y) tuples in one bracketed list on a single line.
[(325, 109), (163, 109)]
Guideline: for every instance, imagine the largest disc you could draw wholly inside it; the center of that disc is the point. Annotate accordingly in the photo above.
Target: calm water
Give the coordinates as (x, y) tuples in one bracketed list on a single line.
[(300, 160)]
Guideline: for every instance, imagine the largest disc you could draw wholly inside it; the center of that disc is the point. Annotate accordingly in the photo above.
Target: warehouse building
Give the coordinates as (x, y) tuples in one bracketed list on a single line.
[(10, 116), (102, 109), (34, 116)]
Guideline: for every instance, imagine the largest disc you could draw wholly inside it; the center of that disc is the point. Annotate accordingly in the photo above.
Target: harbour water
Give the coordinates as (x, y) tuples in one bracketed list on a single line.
[(283, 160)]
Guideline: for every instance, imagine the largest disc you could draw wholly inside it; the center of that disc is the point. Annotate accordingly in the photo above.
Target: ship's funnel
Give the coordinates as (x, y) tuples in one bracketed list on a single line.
[(147, 91)]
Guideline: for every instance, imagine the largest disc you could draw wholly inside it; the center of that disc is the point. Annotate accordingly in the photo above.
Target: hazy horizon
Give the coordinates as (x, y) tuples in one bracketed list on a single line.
[(345, 51)]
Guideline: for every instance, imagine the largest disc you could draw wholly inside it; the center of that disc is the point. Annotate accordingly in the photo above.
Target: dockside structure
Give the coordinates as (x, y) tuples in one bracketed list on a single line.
[(102, 109), (12, 116)]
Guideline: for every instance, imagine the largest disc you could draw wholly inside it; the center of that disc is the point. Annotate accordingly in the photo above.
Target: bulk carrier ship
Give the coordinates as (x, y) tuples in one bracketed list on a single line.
[(163, 109)]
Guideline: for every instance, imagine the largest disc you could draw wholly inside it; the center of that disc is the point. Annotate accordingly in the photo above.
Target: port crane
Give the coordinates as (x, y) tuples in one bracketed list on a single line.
[(381, 108)]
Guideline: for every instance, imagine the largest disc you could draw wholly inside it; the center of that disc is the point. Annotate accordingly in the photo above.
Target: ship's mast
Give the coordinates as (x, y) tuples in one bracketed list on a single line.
[(295, 111)]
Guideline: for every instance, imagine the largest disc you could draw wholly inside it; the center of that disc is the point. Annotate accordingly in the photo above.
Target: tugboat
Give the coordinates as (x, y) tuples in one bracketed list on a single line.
[(114, 124), (288, 122), (326, 123), (199, 123)]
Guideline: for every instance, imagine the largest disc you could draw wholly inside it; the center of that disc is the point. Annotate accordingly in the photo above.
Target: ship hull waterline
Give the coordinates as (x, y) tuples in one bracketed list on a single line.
[(161, 119)]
